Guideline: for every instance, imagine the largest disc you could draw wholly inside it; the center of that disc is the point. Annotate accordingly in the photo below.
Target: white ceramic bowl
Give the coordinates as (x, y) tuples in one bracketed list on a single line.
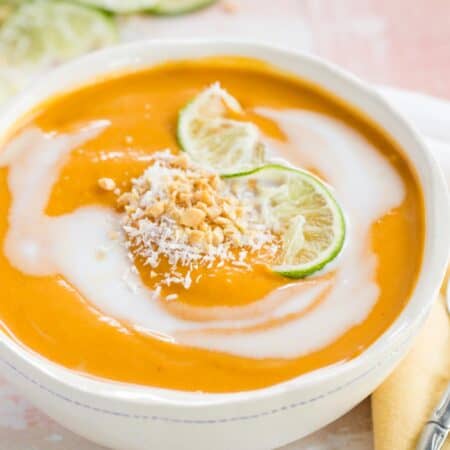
[(136, 418)]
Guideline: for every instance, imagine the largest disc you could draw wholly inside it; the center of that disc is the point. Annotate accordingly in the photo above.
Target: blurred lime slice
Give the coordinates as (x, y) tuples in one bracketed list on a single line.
[(215, 141), (121, 6), (175, 7), (7, 89), (298, 207), (47, 31)]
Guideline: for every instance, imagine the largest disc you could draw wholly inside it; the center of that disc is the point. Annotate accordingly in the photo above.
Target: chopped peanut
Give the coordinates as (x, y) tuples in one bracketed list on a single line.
[(214, 181), (174, 212), (124, 199), (202, 206), (222, 221), (204, 196), (184, 198), (183, 188), (189, 216), (107, 184), (196, 237), (192, 217), (213, 212), (155, 210), (229, 212), (204, 226), (217, 236)]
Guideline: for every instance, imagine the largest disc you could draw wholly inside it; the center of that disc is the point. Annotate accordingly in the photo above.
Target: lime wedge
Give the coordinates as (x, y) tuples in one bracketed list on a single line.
[(299, 208), (175, 7), (121, 6), (215, 141), (48, 31)]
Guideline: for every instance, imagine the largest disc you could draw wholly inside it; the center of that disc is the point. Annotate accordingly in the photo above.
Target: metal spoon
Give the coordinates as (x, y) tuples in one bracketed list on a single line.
[(437, 428)]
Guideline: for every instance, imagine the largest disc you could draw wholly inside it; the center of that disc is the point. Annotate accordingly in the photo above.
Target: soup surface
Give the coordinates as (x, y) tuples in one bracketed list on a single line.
[(70, 293)]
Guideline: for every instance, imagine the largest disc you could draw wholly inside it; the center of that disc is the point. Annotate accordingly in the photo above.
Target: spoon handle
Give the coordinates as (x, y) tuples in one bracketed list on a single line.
[(437, 428)]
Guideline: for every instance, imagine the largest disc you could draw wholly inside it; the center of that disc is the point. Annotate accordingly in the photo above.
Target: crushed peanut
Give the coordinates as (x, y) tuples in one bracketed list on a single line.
[(192, 217), (107, 184), (196, 237), (178, 212), (217, 236), (155, 210)]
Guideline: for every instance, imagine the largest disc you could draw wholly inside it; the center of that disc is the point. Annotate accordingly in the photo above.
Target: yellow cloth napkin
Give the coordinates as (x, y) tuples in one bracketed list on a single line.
[(403, 403)]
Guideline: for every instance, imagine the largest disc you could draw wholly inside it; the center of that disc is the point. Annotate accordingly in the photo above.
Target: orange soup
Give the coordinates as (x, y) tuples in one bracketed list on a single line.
[(83, 283)]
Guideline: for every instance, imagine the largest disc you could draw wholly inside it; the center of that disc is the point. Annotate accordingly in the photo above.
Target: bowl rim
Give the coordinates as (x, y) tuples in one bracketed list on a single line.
[(437, 240)]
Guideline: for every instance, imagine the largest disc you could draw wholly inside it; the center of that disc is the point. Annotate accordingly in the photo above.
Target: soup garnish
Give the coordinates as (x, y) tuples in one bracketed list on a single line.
[(184, 214)]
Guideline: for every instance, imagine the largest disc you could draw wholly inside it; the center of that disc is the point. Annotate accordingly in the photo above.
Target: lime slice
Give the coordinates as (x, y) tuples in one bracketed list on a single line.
[(298, 207), (214, 140), (121, 6), (175, 7), (48, 31)]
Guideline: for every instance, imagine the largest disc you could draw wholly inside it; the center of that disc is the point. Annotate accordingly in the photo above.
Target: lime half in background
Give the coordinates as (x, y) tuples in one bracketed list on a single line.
[(298, 207), (49, 31), (215, 141)]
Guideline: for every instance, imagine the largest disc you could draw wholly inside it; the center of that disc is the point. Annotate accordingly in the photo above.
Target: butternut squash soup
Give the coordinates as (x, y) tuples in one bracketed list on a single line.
[(211, 225)]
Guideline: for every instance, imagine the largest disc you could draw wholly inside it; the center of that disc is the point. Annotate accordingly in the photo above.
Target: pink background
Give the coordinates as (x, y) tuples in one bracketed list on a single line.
[(405, 43)]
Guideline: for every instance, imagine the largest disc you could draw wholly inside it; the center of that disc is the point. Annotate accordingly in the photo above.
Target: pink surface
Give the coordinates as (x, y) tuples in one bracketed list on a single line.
[(405, 43), (400, 42)]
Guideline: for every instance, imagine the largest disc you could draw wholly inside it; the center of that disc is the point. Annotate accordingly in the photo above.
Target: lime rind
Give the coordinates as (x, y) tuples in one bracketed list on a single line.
[(214, 140), (121, 6), (298, 226), (49, 31), (158, 7)]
